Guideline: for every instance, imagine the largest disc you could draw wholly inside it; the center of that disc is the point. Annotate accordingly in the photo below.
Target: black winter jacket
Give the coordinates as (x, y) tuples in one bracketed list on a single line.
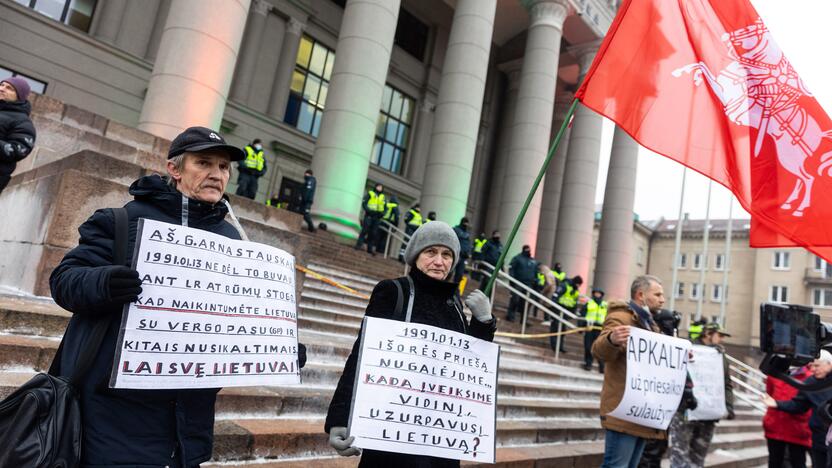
[(523, 268), (131, 428), (491, 251), (434, 305), (17, 136), (309, 185), (466, 246)]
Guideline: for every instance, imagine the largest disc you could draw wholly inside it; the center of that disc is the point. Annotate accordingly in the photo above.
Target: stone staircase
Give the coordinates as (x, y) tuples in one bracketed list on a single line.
[(547, 411)]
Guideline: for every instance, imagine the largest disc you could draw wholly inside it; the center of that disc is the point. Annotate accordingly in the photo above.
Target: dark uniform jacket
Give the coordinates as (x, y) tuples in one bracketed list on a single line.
[(434, 305), (309, 185), (17, 136), (491, 251), (523, 268), (131, 428), (465, 244)]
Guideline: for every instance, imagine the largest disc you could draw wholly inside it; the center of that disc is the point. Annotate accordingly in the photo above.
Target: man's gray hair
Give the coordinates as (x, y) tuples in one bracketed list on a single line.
[(178, 164), (642, 283)]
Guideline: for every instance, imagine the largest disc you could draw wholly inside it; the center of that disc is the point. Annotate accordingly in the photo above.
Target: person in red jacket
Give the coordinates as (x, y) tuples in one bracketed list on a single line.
[(786, 433)]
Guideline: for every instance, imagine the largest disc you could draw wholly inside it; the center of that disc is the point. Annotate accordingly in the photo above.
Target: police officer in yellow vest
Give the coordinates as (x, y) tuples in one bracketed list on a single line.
[(696, 328), (251, 168), (568, 294), (391, 215), (558, 273), (374, 204), (596, 313), (412, 220)]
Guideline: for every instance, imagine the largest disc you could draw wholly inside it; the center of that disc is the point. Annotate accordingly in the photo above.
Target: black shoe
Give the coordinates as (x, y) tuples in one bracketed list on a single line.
[(587, 367)]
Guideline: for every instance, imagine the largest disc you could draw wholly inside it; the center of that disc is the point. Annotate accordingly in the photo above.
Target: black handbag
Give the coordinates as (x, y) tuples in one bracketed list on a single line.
[(40, 423)]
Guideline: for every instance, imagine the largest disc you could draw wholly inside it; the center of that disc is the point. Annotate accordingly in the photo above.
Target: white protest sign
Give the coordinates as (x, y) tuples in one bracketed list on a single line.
[(214, 312), (656, 372), (707, 373), (424, 390)]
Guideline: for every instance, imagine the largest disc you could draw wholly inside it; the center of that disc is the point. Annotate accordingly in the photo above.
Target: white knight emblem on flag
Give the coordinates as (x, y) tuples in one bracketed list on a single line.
[(760, 89)]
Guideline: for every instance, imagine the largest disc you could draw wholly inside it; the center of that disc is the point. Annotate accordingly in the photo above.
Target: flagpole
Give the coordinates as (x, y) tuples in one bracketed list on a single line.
[(678, 246), (529, 197), (726, 261), (704, 263)]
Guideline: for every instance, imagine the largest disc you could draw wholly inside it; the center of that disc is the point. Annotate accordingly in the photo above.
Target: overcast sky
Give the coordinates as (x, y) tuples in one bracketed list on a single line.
[(803, 29)]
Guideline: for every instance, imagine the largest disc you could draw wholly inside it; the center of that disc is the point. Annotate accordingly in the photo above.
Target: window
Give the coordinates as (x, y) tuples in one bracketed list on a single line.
[(780, 260), (76, 13), (640, 256), (820, 264), (698, 261), (694, 290), (680, 289), (779, 294), (310, 84), (719, 262), (822, 297), (716, 293), (683, 260), (393, 129), (411, 34), (36, 85)]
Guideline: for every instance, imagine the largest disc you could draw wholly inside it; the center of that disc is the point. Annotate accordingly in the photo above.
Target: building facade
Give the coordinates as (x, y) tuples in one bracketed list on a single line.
[(448, 102), (754, 276)]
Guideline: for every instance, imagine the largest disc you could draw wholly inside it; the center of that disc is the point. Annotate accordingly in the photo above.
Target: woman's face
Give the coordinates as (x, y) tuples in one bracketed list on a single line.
[(435, 261)]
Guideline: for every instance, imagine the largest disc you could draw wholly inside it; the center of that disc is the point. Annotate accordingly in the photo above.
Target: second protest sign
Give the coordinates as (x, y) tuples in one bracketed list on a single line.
[(424, 390)]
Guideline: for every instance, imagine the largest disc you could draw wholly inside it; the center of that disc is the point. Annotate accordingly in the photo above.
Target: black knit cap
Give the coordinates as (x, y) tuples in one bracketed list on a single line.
[(198, 139)]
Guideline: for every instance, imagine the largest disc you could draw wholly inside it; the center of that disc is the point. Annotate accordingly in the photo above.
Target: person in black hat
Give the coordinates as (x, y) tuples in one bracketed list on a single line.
[(143, 427), (17, 133)]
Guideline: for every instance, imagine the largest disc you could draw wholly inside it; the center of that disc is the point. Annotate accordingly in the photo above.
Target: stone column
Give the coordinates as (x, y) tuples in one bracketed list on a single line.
[(532, 118), (492, 217), (554, 180), (420, 142), (193, 69), (107, 20), (250, 50), (342, 153), (456, 123), (573, 239), (615, 241), (158, 27), (285, 68)]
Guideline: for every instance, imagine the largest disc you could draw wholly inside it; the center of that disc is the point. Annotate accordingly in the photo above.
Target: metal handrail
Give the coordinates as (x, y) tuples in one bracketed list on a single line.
[(393, 231), (528, 290)]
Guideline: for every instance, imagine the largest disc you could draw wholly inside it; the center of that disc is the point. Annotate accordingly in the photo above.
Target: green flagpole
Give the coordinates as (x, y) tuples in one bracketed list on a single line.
[(529, 197)]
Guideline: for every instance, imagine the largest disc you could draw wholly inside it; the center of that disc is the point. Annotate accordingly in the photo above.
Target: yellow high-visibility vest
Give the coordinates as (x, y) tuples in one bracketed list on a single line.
[(596, 313), (569, 298), (254, 159), (479, 244), (695, 331), (376, 202), (388, 215), (559, 276), (541, 279), (416, 218)]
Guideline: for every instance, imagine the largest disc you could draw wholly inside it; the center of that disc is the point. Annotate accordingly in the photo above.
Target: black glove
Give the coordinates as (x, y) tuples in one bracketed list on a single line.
[(123, 284), (301, 355)]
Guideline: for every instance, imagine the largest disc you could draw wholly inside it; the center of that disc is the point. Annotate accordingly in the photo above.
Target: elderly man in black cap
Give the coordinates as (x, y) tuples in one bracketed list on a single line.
[(17, 134), (142, 427)]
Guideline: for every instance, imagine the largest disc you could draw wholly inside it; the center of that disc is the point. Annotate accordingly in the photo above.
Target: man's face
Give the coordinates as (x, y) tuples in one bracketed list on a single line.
[(652, 297), (7, 92), (203, 175), (597, 296), (821, 369), (379, 188)]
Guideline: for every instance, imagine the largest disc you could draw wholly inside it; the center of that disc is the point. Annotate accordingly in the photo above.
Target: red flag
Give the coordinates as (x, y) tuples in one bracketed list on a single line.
[(704, 83)]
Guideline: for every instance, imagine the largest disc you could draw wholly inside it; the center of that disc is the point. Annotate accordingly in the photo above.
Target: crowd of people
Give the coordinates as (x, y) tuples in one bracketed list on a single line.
[(177, 426)]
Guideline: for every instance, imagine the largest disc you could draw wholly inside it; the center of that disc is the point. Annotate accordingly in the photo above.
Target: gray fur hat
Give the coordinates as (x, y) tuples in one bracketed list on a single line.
[(428, 234)]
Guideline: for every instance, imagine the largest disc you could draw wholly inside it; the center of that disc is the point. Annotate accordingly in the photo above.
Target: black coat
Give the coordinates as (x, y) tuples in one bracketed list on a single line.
[(465, 244), (491, 251), (131, 428), (17, 136), (434, 305), (309, 185), (523, 268)]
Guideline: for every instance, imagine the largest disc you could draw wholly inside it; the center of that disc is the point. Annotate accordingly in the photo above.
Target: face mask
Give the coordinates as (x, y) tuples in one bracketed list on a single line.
[(258, 147)]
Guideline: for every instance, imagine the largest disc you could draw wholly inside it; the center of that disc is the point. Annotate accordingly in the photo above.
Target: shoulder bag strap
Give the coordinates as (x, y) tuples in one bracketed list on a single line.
[(99, 329), (410, 298), (397, 312)]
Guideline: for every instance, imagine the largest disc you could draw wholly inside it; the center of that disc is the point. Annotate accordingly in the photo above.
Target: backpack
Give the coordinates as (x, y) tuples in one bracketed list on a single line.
[(40, 423)]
